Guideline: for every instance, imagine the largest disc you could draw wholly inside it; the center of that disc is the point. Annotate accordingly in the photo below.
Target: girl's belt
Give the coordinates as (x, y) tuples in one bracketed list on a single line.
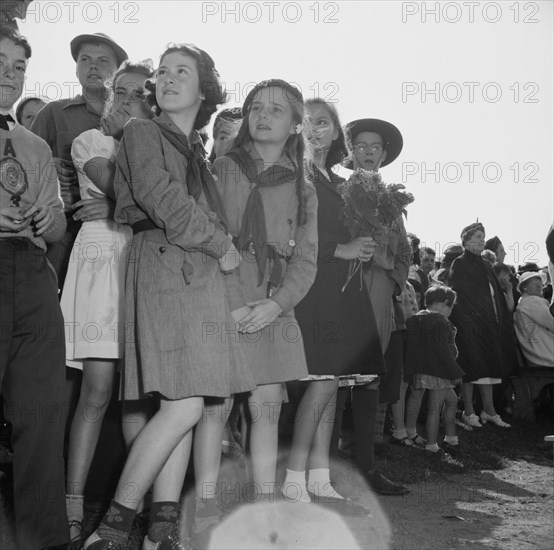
[(143, 225)]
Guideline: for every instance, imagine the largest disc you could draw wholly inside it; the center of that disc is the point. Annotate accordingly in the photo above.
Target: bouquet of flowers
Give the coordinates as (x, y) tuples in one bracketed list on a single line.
[(371, 207)]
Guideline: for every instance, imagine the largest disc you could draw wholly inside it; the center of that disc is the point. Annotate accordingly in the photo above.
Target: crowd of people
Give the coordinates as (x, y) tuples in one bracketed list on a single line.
[(215, 287)]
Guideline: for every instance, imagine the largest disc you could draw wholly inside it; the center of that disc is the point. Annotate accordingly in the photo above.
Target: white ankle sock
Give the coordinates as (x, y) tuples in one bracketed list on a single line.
[(451, 440), (319, 483), (434, 448), (74, 507), (400, 434), (294, 487)]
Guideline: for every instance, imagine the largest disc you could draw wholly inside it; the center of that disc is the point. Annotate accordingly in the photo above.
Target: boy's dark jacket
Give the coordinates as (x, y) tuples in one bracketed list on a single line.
[(430, 347)]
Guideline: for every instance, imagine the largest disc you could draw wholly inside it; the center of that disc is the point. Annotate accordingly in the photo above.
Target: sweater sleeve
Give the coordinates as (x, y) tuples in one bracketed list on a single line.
[(44, 126), (164, 199), (49, 195)]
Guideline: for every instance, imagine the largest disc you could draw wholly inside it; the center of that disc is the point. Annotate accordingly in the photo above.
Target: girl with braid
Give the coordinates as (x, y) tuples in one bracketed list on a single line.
[(272, 214)]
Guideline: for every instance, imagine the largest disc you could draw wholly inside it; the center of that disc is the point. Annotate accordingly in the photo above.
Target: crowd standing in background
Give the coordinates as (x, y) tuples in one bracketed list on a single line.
[(227, 280)]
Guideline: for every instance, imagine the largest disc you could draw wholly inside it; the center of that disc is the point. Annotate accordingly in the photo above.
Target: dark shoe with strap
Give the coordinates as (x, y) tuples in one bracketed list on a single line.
[(343, 506), (453, 450), (383, 485)]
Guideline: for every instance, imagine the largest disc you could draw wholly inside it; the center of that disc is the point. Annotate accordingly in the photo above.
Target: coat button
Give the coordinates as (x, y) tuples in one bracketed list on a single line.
[(162, 249)]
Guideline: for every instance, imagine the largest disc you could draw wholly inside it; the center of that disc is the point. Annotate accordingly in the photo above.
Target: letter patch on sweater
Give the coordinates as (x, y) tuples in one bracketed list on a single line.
[(13, 179)]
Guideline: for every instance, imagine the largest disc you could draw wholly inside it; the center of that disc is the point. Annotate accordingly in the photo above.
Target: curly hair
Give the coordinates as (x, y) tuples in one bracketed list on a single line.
[(338, 150), (128, 67), (209, 83)]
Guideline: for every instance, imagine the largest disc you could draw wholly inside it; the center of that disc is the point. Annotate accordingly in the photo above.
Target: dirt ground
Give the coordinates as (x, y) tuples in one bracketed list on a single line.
[(499, 494)]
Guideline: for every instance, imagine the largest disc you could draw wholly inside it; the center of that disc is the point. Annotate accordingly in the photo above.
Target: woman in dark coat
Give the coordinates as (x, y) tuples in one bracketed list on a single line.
[(338, 328), (485, 336)]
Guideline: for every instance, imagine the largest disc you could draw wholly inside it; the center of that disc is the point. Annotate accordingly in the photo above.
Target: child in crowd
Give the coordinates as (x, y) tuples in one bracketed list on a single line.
[(271, 211), (431, 365), (175, 291), (226, 125), (409, 303), (28, 109), (32, 350), (93, 297)]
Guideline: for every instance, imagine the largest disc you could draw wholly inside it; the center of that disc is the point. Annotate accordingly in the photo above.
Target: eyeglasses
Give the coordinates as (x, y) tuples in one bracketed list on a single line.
[(363, 148)]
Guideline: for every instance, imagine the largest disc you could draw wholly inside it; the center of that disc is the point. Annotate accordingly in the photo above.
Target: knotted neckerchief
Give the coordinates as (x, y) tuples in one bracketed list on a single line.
[(253, 230), (199, 178), (4, 119)]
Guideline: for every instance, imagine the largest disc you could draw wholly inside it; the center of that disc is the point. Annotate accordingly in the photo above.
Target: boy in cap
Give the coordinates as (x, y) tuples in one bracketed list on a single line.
[(97, 57), (32, 349)]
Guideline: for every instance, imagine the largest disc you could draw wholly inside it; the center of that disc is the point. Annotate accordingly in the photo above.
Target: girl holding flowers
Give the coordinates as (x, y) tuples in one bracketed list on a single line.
[(338, 327)]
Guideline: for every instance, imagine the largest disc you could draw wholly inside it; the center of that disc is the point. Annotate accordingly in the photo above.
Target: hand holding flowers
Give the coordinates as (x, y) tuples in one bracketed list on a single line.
[(371, 209)]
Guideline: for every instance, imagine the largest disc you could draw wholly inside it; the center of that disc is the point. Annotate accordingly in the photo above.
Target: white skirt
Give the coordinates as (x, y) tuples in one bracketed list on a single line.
[(93, 299)]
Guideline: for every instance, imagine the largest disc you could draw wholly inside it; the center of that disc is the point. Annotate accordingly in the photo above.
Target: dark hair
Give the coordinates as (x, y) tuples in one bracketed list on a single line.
[(294, 146), (451, 252), (18, 39), (414, 243), (493, 244), (209, 82), (428, 251), (416, 284), (21, 106), (231, 114), (338, 150), (438, 294), (501, 268)]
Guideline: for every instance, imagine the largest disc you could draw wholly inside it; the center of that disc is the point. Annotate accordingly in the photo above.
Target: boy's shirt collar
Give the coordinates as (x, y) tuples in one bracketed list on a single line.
[(79, 99)]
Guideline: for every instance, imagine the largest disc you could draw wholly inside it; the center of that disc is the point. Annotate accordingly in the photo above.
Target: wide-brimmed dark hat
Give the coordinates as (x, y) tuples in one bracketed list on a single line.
[(392, 138), (292, 92), (98, 37), (528, 267)]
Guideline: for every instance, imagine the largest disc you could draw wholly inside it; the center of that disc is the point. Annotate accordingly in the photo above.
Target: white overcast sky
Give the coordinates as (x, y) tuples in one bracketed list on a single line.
[(468, 83)]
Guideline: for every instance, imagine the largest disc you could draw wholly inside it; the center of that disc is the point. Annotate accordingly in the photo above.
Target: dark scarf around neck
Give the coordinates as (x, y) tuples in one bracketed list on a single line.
[(253, 231)]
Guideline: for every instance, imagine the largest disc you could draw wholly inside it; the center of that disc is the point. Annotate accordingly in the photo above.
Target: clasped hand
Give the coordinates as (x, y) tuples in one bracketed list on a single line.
[(256, 315)]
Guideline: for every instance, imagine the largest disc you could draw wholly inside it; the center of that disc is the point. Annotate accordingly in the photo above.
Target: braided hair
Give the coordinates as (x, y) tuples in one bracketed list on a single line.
[(294, 146)]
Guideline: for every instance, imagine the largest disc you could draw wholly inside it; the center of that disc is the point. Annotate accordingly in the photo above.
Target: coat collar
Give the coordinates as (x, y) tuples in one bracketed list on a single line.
[(193, 139)]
